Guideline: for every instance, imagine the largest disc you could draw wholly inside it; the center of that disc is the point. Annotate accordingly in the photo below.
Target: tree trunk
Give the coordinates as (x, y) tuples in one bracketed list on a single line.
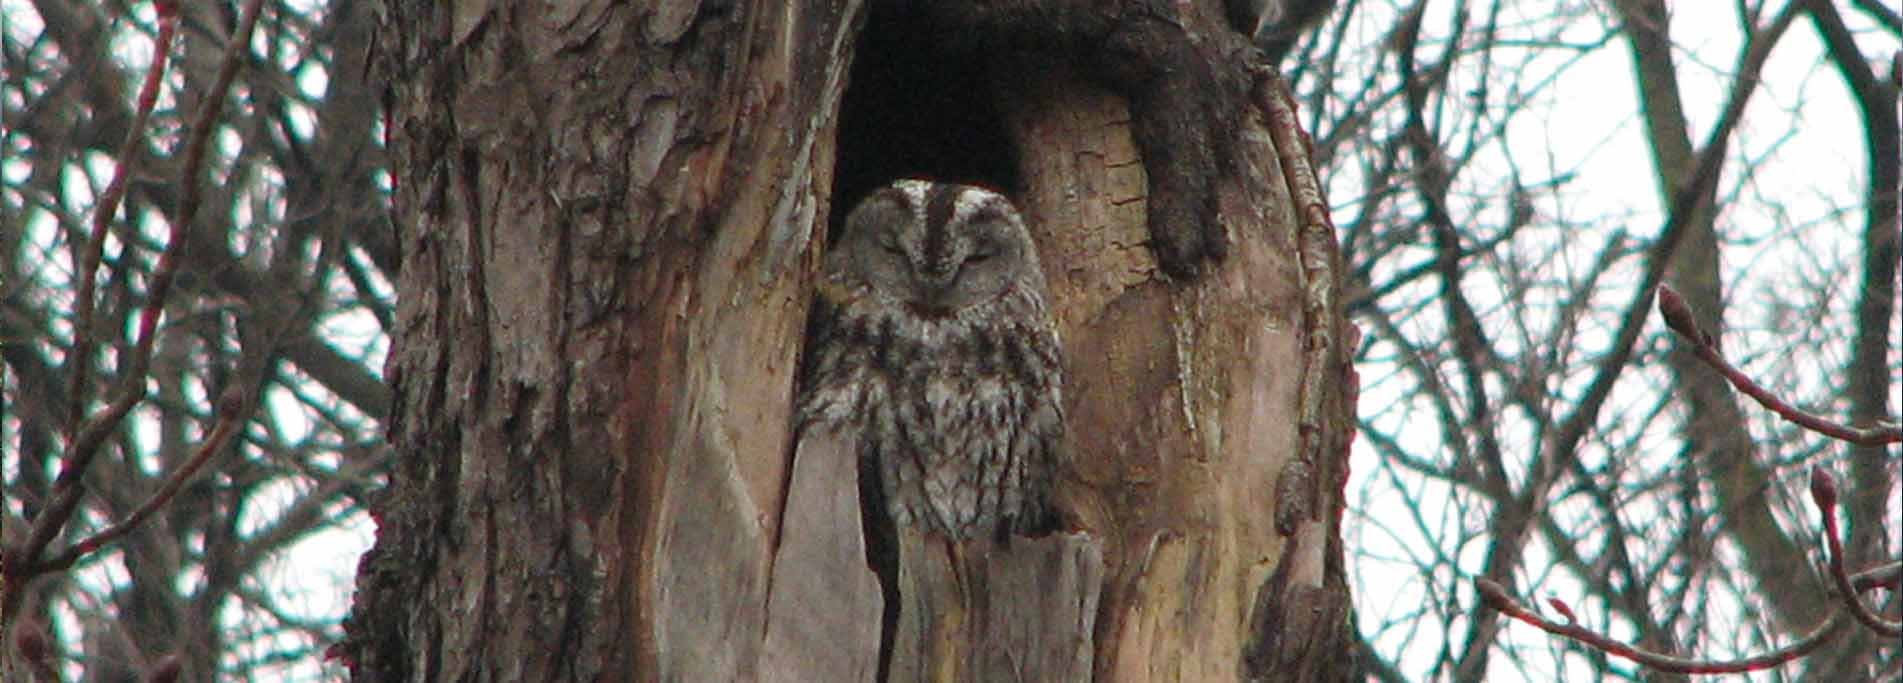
[(610, 220)]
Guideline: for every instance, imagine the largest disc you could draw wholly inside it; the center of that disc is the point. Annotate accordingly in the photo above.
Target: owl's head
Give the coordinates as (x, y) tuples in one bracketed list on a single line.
[(937, 248)]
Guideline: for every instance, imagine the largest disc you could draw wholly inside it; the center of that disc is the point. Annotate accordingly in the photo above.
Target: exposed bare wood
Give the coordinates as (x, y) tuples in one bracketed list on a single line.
[(1021, 610), (823, 603)]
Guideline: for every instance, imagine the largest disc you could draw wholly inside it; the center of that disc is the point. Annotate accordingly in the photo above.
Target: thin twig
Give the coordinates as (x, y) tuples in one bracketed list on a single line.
[(1823, 490), (1678, 317), (231, 415), (80, 360), (1496, 597), (22, 562), (1888, 575)]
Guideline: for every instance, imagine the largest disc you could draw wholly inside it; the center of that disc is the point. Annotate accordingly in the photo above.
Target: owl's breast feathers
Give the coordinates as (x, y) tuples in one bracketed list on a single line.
[(1009, 338), (962, 412)]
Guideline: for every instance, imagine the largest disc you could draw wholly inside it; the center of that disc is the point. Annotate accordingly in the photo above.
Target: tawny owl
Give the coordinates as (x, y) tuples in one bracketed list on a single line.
[(933, 354)]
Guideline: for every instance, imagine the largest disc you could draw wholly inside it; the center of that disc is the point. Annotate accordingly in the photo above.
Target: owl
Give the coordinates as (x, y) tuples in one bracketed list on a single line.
[(933, 356)]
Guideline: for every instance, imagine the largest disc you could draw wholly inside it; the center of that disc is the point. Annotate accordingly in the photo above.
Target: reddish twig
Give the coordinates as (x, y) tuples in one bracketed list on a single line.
[(1496, 597), (22, 562), (1678, 316), (231, 414), (1889, 575), (1823, 491), (95, 247)]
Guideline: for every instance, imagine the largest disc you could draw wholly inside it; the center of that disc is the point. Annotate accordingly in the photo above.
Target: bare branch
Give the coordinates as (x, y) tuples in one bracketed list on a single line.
[(81, 359), (1496, 596), (22, 562), (1823, 488), (232, 408), (1678, 317)]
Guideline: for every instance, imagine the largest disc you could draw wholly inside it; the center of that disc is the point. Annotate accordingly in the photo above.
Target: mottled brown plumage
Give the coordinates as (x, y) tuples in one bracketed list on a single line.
[(932, 349)]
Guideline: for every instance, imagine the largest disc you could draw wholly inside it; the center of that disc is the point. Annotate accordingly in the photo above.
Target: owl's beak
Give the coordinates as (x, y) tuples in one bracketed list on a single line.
[(935, 288), (936, 280)]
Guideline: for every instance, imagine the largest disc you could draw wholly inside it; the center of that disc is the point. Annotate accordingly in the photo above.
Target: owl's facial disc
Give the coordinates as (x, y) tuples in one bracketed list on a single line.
[(974, 268), (936, 249)]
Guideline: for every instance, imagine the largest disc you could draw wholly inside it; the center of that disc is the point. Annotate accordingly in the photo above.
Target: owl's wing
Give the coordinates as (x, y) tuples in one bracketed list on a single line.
[(823, 603)]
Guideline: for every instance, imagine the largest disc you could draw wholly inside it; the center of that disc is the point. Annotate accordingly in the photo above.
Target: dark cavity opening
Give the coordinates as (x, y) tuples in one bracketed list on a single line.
[(916, 108)]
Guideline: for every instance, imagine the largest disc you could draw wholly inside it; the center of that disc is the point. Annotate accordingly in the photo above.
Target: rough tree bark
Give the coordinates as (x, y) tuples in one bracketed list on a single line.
[(610, 219)]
